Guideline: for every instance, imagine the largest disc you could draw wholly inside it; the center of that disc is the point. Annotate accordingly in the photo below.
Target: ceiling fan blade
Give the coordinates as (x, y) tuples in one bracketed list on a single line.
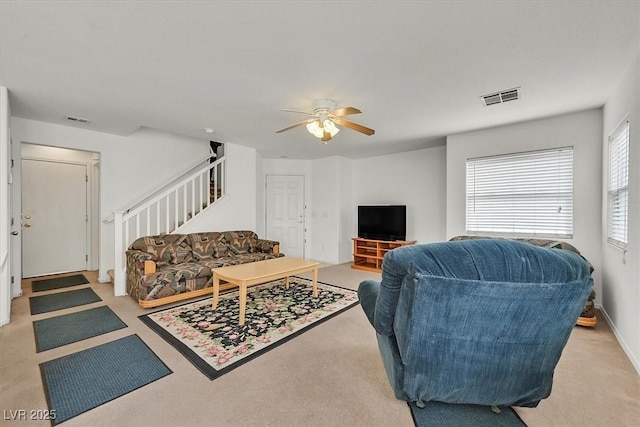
[(326, 136), (304, 122), (345, 111), (356, 126), (296, 111)]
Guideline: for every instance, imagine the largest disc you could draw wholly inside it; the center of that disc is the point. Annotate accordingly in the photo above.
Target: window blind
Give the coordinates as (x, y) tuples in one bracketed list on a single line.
[(528, 193), (618, 189)]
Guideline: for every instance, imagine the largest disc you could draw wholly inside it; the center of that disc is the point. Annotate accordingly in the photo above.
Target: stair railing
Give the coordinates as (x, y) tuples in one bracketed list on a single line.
[(165, 213)]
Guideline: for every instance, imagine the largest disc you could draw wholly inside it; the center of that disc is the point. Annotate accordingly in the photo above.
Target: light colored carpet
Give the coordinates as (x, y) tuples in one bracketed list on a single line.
[(331, 375)]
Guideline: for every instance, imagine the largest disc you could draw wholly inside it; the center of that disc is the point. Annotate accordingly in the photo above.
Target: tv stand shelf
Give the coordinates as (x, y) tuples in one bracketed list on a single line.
[(368, 254)]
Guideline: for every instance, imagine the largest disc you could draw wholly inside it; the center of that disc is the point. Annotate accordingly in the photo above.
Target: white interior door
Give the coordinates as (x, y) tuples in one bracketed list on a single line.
[(54, 217), (285, 213)]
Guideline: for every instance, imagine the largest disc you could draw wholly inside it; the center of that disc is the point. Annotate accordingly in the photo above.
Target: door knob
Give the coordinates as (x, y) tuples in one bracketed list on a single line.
[(14, 233), (26, 225)]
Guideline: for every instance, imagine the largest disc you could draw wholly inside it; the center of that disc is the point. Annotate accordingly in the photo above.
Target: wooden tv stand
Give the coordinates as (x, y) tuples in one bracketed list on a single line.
[(368, 254)]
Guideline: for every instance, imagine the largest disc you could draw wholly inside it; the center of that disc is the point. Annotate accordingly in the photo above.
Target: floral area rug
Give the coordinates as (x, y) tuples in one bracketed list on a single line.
[(214, 342)]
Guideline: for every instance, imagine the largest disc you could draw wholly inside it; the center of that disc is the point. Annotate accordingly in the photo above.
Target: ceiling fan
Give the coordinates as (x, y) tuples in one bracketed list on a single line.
[(322, 122)]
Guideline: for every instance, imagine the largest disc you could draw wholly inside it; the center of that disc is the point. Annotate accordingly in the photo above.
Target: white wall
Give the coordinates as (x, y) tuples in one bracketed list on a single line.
[(130, 166), (324, 222), (620, 273), (416, 179), (346, 230), (581, 130), (237, 210), (5, 211), (260, 195)]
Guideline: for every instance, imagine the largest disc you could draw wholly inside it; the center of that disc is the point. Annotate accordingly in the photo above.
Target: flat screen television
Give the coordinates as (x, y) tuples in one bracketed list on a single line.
[(382, 222)]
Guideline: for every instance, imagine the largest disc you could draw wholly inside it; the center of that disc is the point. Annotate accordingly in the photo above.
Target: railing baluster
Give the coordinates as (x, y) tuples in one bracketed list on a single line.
[(158, 217), (223, 184), (185, 203), (126, 233), (177, 211), (167, 210), (215, 183), (148, 221), (193, 198), (200, 197), (137, 225)]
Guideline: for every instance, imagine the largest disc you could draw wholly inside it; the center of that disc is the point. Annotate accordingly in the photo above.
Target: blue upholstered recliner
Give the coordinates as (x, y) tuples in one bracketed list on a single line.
[(478, 321)]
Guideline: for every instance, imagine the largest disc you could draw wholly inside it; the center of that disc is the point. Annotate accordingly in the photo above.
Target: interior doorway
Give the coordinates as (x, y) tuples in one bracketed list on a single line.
[(285, 213), (59, 210), (54, 217)]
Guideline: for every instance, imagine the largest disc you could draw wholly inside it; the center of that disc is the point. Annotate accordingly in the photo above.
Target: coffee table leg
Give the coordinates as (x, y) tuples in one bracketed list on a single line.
[(216, 291), (243, 303), (286, 282), (315, 282)]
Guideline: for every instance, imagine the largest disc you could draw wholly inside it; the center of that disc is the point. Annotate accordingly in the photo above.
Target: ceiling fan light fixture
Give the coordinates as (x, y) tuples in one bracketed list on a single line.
[(315, 129), (325, 119), (330, 127), (318, 128)]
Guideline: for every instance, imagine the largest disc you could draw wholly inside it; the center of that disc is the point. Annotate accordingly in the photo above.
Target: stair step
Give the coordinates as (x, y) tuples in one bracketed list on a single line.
[(112, 275)]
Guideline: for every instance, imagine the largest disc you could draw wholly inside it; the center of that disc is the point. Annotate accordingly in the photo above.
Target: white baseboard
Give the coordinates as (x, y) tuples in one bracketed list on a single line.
[(634, 361)]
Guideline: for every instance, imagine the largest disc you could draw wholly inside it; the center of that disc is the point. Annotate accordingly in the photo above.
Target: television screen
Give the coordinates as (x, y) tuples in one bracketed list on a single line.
[(382, 222)]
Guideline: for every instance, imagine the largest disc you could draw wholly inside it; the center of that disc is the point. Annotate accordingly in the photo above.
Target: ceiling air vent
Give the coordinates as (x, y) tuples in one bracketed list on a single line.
[(500, 97), (78, 120)]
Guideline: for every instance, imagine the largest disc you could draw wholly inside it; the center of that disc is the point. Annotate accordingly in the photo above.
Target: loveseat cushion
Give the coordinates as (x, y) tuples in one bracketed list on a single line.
[(206, 246), (182, 251), (240, 242), (221, 262), (177, 276), (166, 249), (238, 259)]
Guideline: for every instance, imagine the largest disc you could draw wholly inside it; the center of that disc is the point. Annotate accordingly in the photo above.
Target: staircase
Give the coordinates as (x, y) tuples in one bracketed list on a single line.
[(165, 212)]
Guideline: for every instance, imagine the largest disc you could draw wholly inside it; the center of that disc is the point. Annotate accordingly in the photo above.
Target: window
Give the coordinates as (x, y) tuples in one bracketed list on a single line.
[(527, 193), (618, 189)]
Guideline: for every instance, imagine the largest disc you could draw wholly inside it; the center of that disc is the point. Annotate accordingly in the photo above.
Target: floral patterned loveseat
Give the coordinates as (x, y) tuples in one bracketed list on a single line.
[(166, 268)]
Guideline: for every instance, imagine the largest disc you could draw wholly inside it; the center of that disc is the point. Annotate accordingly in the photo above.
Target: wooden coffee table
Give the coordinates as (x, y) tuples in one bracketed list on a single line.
[(253, 273)]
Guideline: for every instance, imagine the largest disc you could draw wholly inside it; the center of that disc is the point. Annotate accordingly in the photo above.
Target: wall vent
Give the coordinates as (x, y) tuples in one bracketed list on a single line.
[(500, 97), (78, 120)]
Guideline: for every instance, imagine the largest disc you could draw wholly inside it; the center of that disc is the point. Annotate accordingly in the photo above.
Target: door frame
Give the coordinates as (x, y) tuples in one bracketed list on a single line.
[(92, 163), (87, 189), (6, 227), (304, 206)]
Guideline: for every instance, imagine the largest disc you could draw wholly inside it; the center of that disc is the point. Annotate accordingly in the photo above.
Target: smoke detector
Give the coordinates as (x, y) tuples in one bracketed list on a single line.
[(501, 97)]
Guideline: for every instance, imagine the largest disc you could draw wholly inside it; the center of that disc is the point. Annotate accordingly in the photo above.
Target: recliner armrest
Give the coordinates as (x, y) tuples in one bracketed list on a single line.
[(368, 295)]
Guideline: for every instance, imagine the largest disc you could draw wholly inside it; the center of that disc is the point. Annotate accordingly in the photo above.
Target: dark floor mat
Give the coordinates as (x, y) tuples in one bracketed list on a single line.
[(62, 300), (58, 282)]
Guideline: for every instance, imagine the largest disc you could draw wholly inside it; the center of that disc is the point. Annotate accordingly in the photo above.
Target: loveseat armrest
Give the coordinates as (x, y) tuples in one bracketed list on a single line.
[(267, 246), (137, 259), (137, 266)]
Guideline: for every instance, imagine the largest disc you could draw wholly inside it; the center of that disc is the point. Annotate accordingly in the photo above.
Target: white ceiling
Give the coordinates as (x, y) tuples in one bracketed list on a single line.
[(415, 69)]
